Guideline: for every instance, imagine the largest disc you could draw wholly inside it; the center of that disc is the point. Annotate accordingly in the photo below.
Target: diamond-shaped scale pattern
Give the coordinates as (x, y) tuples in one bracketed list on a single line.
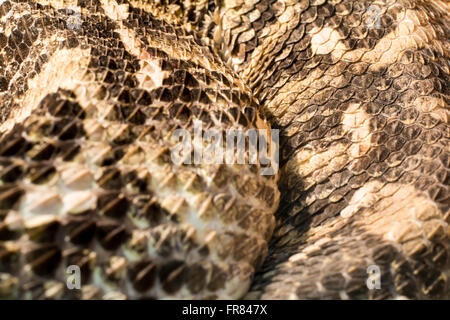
[(358, 89), (86, 175)]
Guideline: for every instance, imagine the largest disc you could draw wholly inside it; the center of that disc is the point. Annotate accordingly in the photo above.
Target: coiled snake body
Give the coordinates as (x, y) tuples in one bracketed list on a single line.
[(92, 90)]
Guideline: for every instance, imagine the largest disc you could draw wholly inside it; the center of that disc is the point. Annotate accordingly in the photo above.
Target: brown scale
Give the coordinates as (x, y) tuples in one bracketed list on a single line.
[(124, 218), (364, 143), (362, 125)]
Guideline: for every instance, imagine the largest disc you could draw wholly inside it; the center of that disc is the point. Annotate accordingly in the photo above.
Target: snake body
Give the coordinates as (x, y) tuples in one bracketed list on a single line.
[(91, 92)]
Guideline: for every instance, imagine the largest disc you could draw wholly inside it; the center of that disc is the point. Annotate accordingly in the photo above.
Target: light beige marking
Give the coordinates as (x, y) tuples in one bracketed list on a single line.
[(436, 107), (411, 33), (150, 74), (62, 71), (312, 165), (115, 11), (64, 4), (58, 4), (396, 212), (327, 41), (356, 122)]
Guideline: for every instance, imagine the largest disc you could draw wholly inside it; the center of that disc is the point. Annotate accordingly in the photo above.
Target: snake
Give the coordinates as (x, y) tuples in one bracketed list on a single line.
[(92, 92)]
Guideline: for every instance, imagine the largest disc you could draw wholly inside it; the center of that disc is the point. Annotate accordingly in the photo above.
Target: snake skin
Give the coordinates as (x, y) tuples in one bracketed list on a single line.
[(358, 89)]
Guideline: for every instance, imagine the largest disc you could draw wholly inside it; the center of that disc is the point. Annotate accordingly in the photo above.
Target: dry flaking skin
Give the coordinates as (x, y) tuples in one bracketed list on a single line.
[(91, 92), (359, 91)]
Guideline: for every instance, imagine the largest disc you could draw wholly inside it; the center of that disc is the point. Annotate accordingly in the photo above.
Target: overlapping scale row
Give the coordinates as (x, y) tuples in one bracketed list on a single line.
[(359, 90), (90, 98)]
